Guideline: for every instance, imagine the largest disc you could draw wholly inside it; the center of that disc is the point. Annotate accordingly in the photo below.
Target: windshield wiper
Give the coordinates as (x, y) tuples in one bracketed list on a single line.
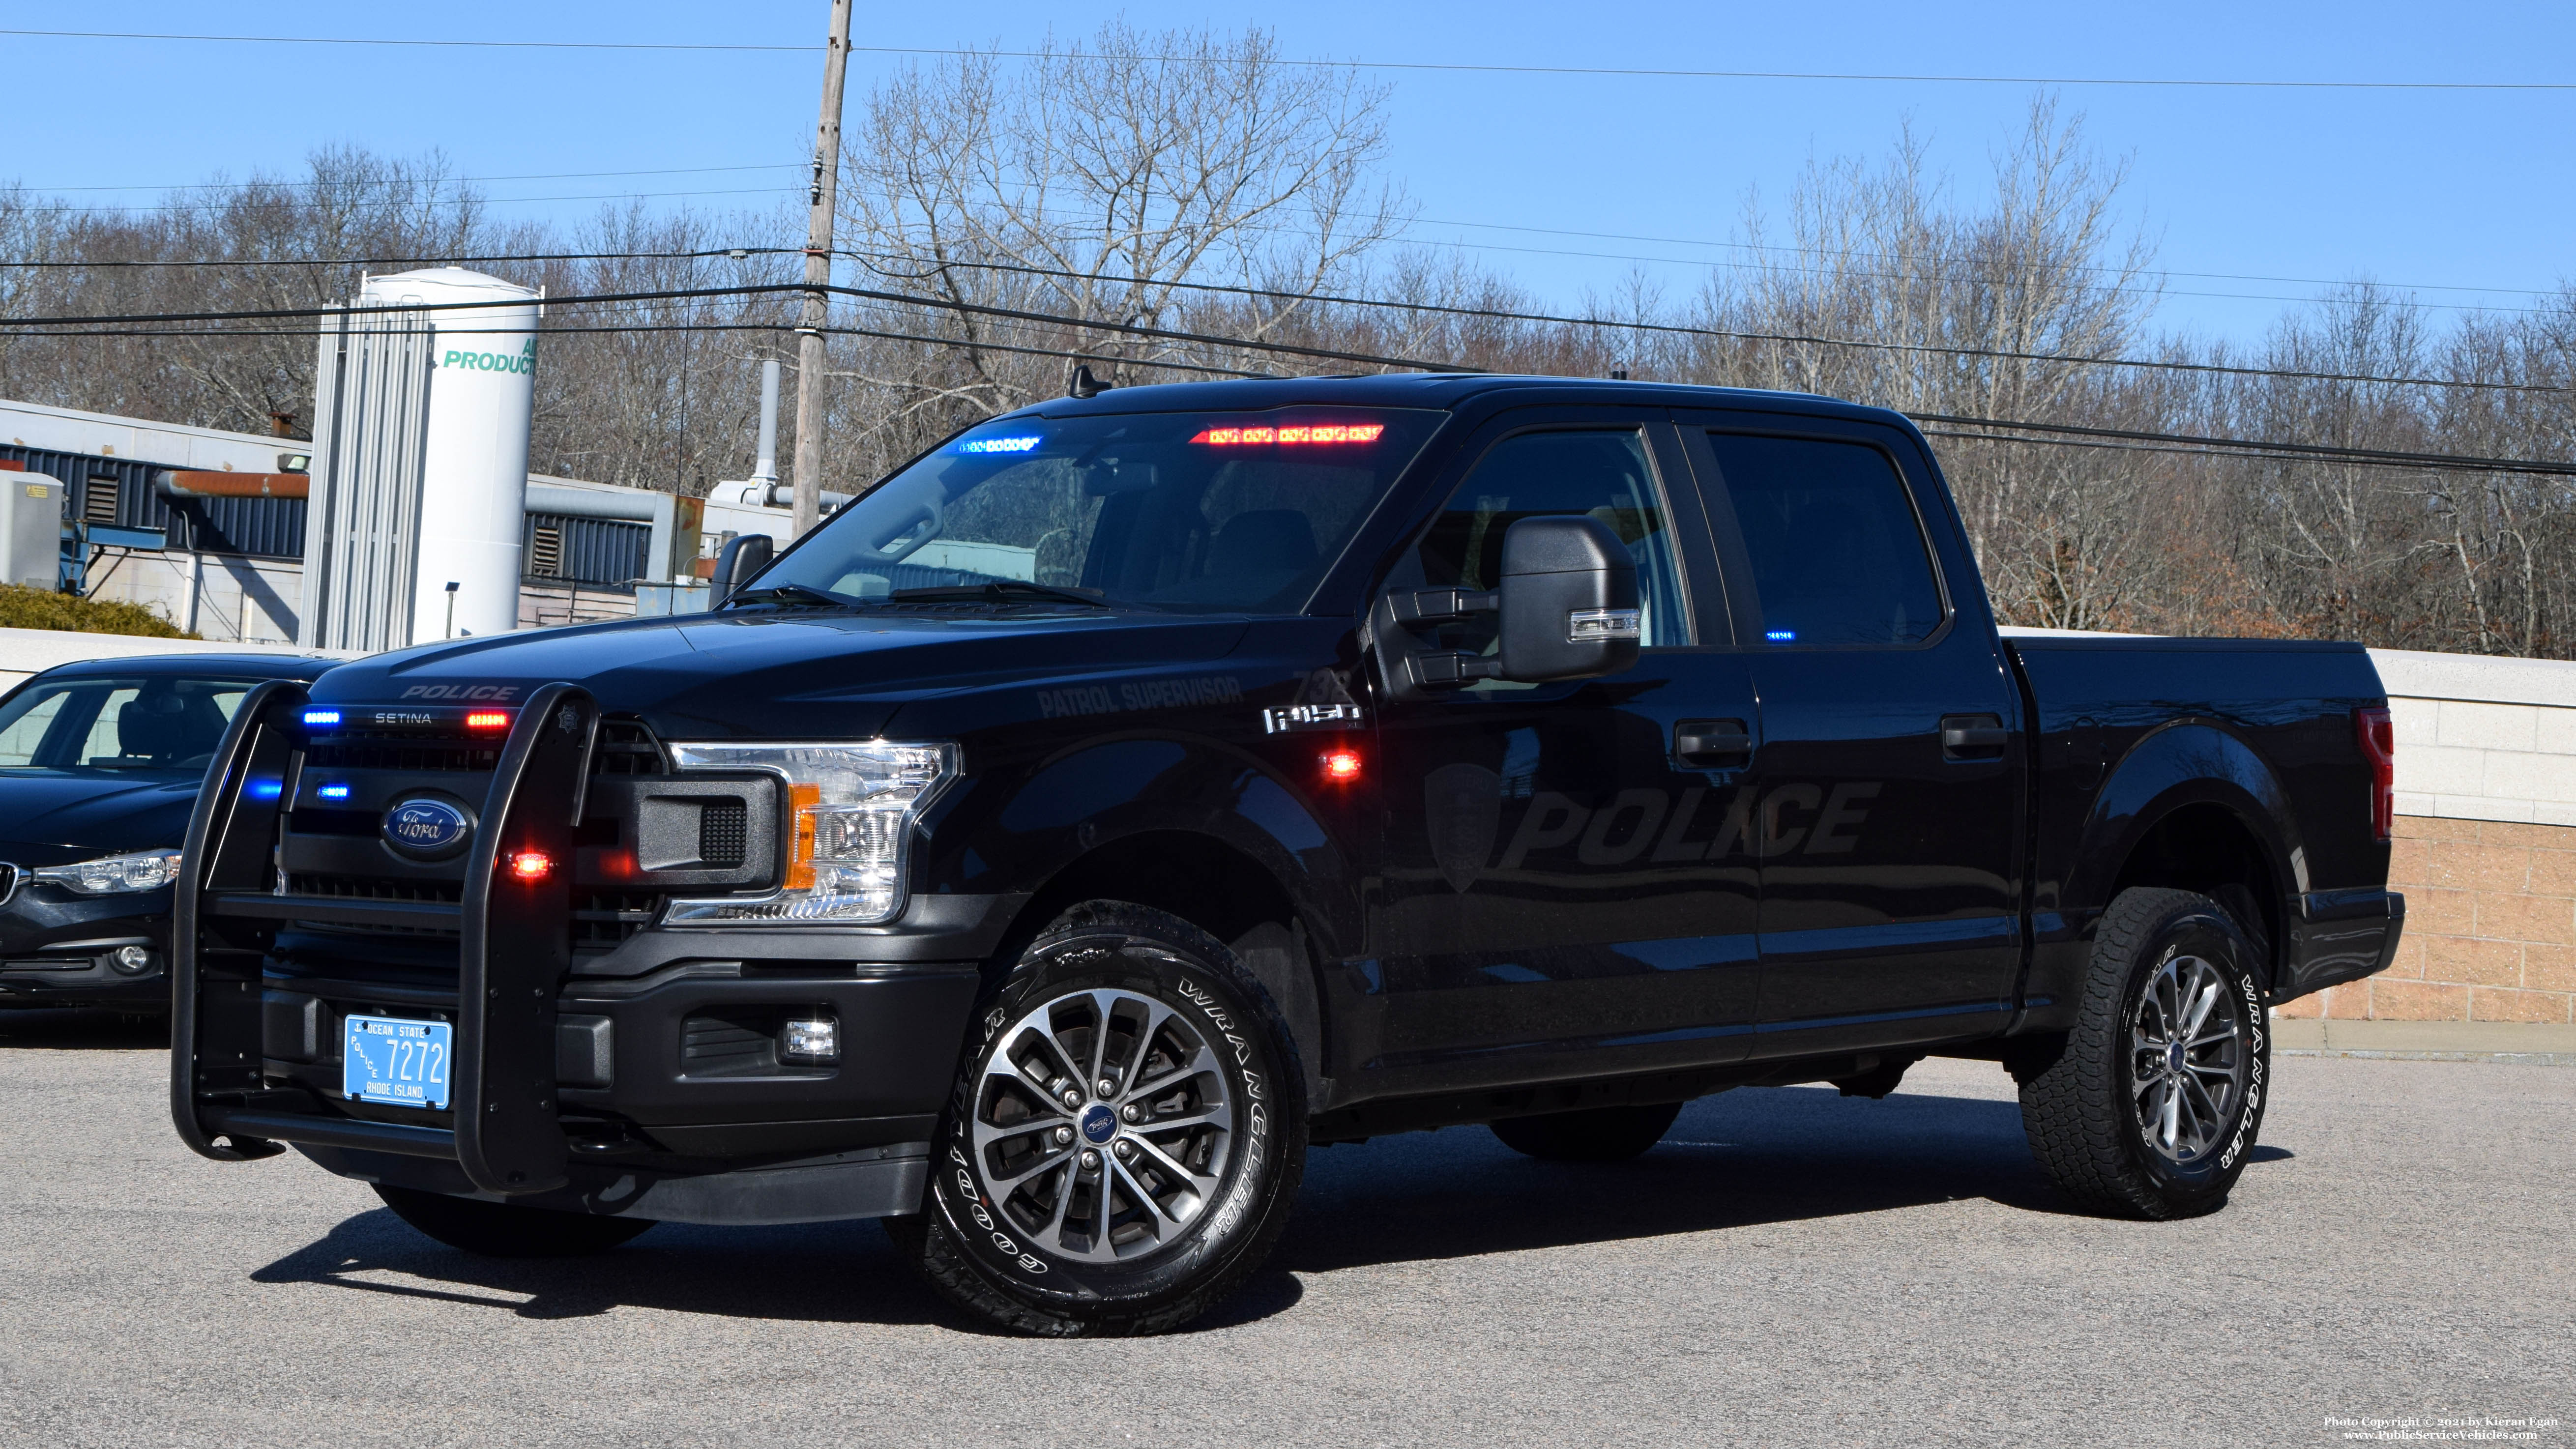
[(790, 594), (997, 591)]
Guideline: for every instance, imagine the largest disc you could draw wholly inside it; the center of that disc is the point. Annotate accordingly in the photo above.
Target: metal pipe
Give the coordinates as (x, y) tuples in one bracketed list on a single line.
[(766, 470)]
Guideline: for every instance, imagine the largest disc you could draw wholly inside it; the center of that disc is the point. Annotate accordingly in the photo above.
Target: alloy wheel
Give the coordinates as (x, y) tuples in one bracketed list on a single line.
[(2187, 1056), (1103, 1125)]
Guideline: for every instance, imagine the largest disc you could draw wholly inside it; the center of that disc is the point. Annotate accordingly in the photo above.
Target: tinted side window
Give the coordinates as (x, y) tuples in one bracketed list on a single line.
[(1603, 474), (1836, 553)]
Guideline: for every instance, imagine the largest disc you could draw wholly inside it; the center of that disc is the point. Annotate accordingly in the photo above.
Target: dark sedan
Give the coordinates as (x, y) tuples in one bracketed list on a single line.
[(99, 767)]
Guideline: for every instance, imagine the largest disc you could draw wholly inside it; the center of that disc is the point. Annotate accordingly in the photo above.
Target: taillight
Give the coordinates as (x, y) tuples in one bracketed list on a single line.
[(2378, 737)]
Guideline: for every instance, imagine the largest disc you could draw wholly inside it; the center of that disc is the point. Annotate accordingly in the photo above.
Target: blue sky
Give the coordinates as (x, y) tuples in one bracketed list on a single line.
[(2469, 196)]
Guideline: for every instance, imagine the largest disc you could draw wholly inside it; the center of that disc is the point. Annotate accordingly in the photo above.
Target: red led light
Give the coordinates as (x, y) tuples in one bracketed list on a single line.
[(531, 865), (487, 719), (1342, 766), (1301, 433)]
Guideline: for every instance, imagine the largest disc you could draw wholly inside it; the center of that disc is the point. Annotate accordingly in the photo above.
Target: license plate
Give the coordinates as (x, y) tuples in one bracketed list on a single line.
[(403, 1063)]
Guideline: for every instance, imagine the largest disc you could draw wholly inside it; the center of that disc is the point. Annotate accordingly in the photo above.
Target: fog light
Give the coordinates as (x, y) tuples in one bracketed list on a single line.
[(812, 1039), (132, 960)]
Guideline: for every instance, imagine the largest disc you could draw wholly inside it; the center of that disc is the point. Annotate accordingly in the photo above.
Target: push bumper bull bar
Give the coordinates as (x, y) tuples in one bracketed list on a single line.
[(512, 958)]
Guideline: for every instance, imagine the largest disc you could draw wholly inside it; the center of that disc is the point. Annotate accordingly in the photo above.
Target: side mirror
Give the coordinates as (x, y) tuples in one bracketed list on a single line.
[(741, 559), (1569, 601), (1568, 605)]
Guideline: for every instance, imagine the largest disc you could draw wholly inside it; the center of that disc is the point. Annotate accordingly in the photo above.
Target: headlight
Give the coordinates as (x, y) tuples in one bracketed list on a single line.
[(145, 870), (852, 808)]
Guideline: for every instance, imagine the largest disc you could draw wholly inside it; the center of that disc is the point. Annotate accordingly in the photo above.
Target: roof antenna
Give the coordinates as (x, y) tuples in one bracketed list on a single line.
[(1084, 384)]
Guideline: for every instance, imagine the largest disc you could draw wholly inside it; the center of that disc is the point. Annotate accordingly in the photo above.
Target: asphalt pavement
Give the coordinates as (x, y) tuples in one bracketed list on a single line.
[(1789, 1267)]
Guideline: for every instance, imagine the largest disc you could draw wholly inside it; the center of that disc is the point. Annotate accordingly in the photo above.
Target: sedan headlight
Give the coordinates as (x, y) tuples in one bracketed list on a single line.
[(852, 808), (145, 870)]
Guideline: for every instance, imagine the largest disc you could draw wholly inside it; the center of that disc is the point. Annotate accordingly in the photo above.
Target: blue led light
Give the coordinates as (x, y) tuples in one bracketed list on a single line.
[(998, 445), (1781, 636), (321, 717), (333, 792), (267, 789)]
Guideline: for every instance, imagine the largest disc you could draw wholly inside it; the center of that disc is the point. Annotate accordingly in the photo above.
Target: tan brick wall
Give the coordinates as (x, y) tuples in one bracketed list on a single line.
[(2490, 928)]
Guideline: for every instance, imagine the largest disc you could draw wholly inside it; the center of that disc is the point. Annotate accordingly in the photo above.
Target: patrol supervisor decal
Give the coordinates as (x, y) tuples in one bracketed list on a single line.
[(1141, 694)]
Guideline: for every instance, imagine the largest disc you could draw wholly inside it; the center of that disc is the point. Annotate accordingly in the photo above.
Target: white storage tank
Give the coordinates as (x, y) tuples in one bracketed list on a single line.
[(474, 476)]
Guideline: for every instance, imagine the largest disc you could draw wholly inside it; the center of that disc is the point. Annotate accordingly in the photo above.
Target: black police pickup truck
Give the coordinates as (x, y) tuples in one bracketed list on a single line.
[(1135, 791)]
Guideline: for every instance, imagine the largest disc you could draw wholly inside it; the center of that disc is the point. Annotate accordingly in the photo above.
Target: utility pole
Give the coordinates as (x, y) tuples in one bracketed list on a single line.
[(818, 275)]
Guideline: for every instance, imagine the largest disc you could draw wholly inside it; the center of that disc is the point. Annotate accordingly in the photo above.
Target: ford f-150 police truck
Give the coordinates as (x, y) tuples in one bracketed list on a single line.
[(1135, 791)]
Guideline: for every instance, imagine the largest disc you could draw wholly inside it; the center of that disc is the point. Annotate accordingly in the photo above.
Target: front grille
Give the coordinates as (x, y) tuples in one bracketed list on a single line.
[(372, 888), (604, 920), (392, 750), (625, 748)]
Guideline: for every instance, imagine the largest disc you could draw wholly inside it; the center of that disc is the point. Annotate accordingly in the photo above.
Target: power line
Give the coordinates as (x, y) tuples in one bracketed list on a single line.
[(1794, 338), (1431, 308), (2333, 452), (171, 205), (1449, 67), (1415, 241), (429, 181), (2235, 446), (1131, 329), (432, 44)]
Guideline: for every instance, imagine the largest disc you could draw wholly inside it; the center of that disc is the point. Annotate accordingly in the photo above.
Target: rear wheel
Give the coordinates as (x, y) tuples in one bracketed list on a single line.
[(507, 1230), (1595, 1134), (2151, 1104), (1125, 1138)]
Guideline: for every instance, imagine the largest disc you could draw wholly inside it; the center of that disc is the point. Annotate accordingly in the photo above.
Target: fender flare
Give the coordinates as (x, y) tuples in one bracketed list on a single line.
[(2191, 761)]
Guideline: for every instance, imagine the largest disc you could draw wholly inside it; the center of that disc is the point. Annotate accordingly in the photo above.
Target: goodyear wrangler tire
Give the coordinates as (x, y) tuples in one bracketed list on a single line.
[(2157, 1096), (1125, 1137)]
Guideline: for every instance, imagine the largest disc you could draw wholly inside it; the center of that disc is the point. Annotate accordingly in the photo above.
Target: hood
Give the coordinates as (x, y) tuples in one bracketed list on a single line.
[(827, 674), (56, 817)]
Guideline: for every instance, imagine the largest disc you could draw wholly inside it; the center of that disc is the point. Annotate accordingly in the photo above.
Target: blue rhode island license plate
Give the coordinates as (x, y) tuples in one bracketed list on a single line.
[(388, 1059)]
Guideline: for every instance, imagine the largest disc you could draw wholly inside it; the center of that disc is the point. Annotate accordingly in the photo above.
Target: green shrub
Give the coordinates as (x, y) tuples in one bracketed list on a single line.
[(22, 607)]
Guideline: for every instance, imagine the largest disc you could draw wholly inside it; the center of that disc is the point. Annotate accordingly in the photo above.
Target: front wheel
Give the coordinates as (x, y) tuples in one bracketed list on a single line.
[(1125, 1136), (2151, 1104), (507, 1230)]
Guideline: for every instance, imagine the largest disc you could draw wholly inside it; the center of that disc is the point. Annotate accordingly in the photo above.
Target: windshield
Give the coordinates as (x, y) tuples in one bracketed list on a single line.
[(1195, 512), (118, 724)]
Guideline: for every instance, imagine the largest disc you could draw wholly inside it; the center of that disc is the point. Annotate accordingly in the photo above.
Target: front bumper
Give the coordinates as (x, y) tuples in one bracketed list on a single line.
[(56, 951), (679, 1068)]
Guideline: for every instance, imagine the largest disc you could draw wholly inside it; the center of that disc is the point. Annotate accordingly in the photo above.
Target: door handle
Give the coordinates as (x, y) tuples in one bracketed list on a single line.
[(1712, 743), (1973, 736)]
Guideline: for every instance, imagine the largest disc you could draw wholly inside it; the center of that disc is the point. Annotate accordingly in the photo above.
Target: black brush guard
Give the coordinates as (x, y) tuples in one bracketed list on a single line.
[(512, 958)]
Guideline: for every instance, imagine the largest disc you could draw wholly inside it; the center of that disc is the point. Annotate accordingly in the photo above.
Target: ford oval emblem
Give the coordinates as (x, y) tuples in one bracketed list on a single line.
[(427, 828)]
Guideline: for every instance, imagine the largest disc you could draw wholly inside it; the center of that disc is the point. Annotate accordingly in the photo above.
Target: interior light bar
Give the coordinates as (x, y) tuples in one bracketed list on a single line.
[(998, 445), (1294, 434)]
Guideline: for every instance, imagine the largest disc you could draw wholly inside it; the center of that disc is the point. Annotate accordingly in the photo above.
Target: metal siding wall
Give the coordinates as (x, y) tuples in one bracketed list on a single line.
[(258, 527), (597, 552), (371, 413)]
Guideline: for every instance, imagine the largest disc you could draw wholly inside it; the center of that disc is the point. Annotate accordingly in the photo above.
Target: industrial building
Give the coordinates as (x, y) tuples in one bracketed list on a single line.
[(231, 569)]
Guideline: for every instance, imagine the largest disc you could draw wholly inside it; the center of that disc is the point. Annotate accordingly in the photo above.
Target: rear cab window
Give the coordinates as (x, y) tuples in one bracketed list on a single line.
[(1832, 551)]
